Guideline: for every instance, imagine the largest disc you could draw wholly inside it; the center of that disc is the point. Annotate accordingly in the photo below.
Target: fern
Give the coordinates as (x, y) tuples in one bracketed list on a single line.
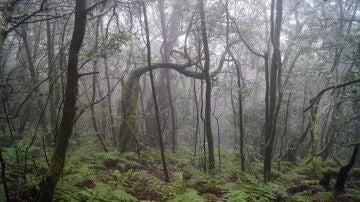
[(105, 193), (127, 160), (66, 192), (235, 196), (141, 182), (188, 195), (256, 190), (177, 181), (353, 193)]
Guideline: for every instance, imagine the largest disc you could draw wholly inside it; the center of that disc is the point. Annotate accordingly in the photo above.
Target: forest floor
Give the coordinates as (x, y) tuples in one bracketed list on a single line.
[(94, 175)]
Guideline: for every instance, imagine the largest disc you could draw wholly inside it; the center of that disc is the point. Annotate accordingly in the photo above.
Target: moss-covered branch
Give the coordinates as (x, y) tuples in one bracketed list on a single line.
[(130, 96), (315, 98)]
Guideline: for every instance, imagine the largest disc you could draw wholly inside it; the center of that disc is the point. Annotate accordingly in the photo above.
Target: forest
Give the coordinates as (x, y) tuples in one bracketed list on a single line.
[(179, 100)]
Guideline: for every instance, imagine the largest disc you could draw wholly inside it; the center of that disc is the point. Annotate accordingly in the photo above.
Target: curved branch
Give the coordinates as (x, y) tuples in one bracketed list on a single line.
[(317, 97), (181, 68)]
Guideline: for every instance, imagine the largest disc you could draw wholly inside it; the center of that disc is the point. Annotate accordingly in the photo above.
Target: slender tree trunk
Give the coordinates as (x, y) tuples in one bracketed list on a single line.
[(157, 111), (3, 175), (33, 74), (52, 80), (204, 125), (274, 87), (208, 131), (167, 47), (240, 121), (69, 111), (283, 137), (197, 118), (234, 115), (99, 132), (111, 115), (344, 171)]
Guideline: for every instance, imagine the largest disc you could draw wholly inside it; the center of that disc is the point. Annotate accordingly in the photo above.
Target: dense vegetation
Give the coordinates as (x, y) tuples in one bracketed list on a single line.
[(179, 100)]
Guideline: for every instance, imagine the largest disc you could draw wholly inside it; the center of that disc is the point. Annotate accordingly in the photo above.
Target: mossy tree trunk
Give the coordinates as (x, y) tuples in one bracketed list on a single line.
[(69, 111), (128, 129), (314, 132)]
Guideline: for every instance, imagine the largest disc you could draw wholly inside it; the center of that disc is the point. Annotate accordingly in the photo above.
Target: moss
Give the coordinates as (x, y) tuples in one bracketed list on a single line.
[(210, 197), (323, 196), (300, 197), (209, 187), (128, 129), (309, 182)]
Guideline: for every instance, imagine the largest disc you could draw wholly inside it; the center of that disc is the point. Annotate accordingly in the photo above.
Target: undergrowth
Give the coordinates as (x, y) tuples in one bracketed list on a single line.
[(93, 175)]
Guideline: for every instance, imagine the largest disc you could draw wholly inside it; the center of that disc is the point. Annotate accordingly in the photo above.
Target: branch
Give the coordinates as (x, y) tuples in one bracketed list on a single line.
[(86, 74), (95, 5), (240, 35), (96, 102), (27, 17), (181, 68), (317, 97)]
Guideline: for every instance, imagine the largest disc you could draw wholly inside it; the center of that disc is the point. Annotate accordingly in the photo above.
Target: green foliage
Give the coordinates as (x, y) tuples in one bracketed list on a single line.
[(323, 196), (144, 185), (353, 193), (126, 160), (300, 197), (257, 190), (104, 192), (112, 44), (177, 181), (235, 196), (188, 195), (66, 192), (88, 176)]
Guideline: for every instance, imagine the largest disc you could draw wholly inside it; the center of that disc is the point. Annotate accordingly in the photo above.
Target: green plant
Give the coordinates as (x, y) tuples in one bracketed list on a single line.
[(235, 196), (188, 195)]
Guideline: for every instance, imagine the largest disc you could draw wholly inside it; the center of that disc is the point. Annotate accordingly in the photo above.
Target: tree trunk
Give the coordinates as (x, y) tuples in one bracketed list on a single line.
[(344, 171), (240, 121), (169, 38), (111, 116), (274, 87), (197, 118), (205, 42), (3, 175), (130, 96), (69, 111), (157, 112), (52, 80), (99, 133), (283, 137)]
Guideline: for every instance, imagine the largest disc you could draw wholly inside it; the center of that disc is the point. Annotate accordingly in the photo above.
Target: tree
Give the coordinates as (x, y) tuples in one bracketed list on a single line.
[(66, 126), (205, 43), (157, 112), (274, 86)]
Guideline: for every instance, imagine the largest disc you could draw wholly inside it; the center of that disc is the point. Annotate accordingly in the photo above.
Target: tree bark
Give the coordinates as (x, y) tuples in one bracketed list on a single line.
[(274, 87), (52, 80), (166, 58), (69, 111), (3, 175), (208, 130), (344, 171), (157, 111), (240, 120), (99, 133)]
